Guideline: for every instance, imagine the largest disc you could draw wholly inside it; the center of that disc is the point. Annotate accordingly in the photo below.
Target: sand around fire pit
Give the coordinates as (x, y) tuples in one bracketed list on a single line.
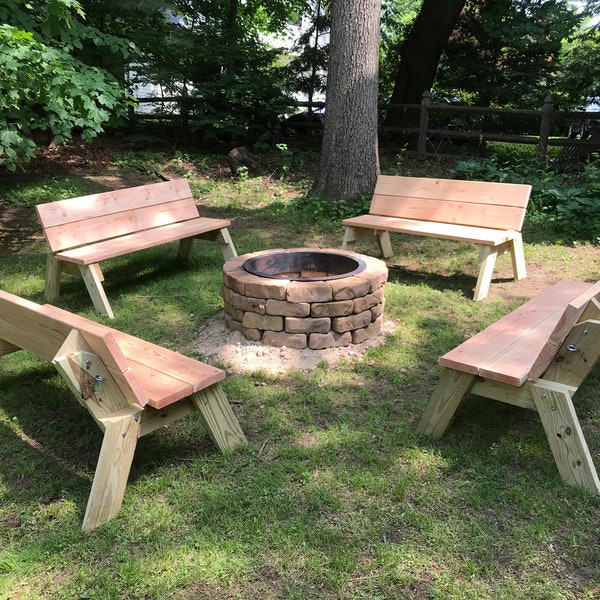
[(217, 344)]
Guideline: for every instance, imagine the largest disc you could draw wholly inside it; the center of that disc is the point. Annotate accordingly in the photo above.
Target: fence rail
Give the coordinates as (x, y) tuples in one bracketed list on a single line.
[(543, 128)]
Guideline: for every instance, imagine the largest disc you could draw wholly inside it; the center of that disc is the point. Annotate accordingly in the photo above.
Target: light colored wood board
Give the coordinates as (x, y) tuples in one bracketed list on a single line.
[(565, 437), (571, 315), (507, 349), (491, 216), (156, 418), (507, 194), (104, 391), (447, 396), (591, 311), (23, 325), (110, 225), (88, 207), (219, 418), (7, 347), (91, 275), (503, 392), (577, 356), (101, 339), (112, 471), (448, 231), (141, 240)]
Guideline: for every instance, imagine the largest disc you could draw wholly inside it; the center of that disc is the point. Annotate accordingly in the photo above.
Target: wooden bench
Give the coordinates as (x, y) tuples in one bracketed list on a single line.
[(487, 214), (129, 386), (536, 357), (84, 231)]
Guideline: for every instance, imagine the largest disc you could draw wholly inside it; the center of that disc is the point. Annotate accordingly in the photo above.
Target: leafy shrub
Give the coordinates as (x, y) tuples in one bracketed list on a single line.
[(569, 204), (318, 209)]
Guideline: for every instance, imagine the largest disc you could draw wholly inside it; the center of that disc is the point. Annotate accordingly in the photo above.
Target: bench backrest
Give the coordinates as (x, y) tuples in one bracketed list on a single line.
[(41, 330), (477, 203), (522, 344), (88, 219)]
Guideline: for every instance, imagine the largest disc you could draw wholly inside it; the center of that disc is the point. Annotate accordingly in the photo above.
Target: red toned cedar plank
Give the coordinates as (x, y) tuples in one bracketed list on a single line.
[(113, 224), (94, 205), (165, 375), (570, 317), (94, 253), (42, 331), (506, 350), (481, 192), (442, 210), (476, 235), (195, 373)]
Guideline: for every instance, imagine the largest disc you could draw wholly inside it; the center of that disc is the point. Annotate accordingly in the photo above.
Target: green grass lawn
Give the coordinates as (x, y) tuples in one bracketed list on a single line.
[(335, 496)]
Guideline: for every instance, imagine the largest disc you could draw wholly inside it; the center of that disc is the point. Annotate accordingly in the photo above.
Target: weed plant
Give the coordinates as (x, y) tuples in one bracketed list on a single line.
[(335, 495)]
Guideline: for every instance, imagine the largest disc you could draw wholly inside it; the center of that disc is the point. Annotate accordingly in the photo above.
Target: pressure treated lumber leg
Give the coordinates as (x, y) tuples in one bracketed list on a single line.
[(221, 237), (92, 277), (185, 248), (218, 417), (518, 257), (112, 471), (53, 273), (565, 436), (385, 244), (445, 400), (486, 260), (227, 248)]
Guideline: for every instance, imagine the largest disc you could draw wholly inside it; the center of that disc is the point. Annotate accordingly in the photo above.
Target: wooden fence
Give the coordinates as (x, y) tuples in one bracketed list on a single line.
[(439, 123), (545, 127)]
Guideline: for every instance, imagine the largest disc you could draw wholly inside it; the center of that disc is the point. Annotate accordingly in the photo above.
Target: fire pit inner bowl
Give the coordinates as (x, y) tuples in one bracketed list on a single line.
[(304, 265)]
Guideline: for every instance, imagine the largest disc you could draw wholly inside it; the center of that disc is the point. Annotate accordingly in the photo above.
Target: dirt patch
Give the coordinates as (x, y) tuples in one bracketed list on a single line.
[(217, 344)]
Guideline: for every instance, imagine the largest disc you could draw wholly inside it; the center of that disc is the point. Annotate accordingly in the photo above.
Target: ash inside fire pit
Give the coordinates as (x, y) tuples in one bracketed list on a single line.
[(304, 298), (304, 265)]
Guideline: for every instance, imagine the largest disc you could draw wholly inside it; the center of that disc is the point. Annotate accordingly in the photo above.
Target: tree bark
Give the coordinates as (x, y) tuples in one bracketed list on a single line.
[(349, 162), (421, 53)]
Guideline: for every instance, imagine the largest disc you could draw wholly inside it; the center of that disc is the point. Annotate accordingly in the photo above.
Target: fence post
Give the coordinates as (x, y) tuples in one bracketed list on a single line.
[(423, 125), (546, 121)]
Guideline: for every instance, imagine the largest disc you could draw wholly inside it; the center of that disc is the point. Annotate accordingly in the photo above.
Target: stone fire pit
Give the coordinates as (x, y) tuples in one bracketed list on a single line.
[(304, 297)]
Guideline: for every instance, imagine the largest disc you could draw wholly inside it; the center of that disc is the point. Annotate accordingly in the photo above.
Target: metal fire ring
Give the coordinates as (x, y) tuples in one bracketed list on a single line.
[(280, 264)]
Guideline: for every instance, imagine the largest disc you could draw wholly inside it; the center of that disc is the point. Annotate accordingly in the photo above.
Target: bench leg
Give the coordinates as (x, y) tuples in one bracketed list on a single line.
[(218, 417), (487, 261), (565, 436), (227, 248), (53, 274), (185, 248), (112, 471), (92, 277), (445, 400), (349, 239), (518, 257), (352, 234), (385, 244), (221, 237)]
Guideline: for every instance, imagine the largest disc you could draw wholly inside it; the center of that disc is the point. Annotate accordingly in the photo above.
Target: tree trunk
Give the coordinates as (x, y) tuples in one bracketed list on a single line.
[(349, 162), (420, 55)]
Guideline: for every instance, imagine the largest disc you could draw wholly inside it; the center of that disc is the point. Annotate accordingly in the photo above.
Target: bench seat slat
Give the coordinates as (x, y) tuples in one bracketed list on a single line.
[(141, 240), (449, 231), (508, 350), (165, 375)]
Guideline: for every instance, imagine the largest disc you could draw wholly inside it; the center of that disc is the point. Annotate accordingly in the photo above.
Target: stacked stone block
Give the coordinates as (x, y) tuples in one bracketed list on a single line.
[(305, 314)]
